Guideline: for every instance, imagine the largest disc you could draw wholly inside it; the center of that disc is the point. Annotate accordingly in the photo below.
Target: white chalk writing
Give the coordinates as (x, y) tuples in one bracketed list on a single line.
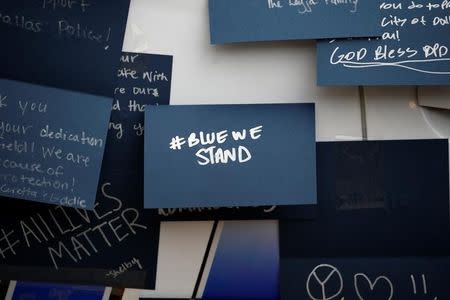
[(211, 155)]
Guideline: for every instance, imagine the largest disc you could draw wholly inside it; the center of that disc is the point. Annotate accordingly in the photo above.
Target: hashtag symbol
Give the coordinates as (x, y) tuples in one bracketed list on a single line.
[(176, 143), (10, 245)]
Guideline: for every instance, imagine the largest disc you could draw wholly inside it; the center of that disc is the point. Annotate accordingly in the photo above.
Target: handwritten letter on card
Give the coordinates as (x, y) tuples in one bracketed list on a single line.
[(266, 20), (229, 155), (68, 44), (52, 144), (414, 48)]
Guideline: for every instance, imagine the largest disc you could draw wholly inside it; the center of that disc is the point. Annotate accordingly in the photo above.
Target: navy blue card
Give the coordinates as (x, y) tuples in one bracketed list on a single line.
[(52, 243), (376, 198), (416, 278), (44, 291), (52, 143), (255, 20), (229, 155), (63, 44), (414, 49)]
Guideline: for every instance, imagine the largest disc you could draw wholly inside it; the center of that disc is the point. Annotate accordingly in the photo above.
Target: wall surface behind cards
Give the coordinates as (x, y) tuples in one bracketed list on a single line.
[(276, 72)]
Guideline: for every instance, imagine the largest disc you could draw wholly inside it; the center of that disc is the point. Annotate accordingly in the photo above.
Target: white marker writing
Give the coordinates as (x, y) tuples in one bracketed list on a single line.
[(3, 101)]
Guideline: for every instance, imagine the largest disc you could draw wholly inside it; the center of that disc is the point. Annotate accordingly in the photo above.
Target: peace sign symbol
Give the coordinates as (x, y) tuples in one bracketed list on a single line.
[(332, 276)]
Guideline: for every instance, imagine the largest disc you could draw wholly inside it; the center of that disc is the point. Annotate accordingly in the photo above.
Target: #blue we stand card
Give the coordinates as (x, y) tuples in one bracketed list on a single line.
[(229, 155)]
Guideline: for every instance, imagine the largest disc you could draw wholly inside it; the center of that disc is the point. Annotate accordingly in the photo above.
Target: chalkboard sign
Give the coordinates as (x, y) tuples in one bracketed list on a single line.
[(52, 143), (421, 278), (117, 243), (376, 198), (64, 44), (414, 48), (229, 155), (258, 20)]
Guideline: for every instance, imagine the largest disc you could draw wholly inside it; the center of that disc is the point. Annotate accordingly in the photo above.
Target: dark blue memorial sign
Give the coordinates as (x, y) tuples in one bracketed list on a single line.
[(260, 20), (64, 44), (116, 244), (229, 155), (52, 143), (414, 48), (418, 278), (379, 200)]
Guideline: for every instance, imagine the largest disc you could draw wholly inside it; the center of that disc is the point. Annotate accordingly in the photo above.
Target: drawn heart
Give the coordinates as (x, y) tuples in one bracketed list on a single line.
[(372, 284)]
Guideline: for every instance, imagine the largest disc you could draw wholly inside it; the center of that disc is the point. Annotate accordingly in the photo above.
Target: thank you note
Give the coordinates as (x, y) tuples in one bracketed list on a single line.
[(229, 155), (52, 144)]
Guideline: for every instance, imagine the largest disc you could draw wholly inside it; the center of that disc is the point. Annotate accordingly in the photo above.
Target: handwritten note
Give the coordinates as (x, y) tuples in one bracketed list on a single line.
[(421, 278), (63, 40), (289, 212), (229, 155), (33, 290), (52, 144), (414, 48), (255, 20)]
